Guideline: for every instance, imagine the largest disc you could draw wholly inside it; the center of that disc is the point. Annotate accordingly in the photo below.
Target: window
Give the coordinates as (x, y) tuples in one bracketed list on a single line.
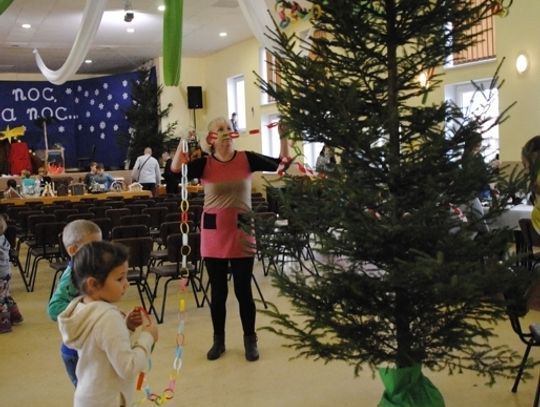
[(270, 136), (484, 46), (311, 152), (236, 99), (270, 73), (480, 101)]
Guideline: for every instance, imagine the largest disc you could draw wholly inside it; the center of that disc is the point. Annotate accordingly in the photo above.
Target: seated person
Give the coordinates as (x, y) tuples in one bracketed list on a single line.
[(101, 178), (171, 179), (11, 190), (88, 178), (43, 177), (29, 186)]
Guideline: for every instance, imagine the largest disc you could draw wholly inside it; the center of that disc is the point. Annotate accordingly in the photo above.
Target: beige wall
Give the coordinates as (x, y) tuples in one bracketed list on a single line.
[(517, 32)]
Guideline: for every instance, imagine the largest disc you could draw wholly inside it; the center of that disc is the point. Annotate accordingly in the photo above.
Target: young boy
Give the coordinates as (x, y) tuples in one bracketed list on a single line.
[(75, 235)]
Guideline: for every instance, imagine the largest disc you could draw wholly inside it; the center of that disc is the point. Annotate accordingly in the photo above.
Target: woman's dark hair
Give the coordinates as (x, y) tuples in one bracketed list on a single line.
[(11, 183), (531, 153), (96, 259)]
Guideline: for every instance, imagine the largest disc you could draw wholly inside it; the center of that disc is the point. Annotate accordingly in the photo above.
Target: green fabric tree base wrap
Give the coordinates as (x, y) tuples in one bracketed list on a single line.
[(4, 4), (408, 387)]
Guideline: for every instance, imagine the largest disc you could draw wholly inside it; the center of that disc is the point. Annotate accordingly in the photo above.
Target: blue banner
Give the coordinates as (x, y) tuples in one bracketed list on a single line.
[(86, 116)]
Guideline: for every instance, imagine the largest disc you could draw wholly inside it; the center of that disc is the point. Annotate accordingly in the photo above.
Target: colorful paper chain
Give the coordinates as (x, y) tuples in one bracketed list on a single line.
[(168, 392), (292, 11)]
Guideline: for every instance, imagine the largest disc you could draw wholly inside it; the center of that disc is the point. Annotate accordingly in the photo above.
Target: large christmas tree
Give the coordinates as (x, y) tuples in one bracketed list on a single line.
[(145, 116), (398, 278)]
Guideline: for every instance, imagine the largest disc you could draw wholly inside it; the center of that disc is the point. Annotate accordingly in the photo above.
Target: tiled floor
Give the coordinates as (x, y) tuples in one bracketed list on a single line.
[(32, 374)]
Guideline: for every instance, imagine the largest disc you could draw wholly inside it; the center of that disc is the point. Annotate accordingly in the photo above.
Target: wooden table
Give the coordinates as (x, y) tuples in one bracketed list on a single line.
[(162, 189), (76, 198)]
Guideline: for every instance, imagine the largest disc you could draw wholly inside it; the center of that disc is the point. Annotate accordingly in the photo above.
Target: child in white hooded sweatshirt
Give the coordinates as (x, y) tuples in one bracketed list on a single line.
[(110, 354)]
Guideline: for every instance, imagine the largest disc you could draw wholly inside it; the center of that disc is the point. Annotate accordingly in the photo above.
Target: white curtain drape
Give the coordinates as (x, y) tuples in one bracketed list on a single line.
[(93, 11), (259, 21)]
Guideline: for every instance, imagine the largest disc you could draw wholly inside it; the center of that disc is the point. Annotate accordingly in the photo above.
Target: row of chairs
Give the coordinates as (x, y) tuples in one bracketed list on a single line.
[(144, 263)]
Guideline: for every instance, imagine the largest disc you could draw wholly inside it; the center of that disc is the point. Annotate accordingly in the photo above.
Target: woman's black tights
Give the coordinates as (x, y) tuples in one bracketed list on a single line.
[(242, 270)]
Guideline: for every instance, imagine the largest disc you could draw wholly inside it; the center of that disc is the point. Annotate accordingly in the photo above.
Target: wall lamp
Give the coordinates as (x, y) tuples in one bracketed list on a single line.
[(522, 63)]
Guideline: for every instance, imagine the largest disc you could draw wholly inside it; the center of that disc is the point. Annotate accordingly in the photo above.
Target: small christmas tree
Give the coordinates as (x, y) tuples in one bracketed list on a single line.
[(398, 278), (144, 117)]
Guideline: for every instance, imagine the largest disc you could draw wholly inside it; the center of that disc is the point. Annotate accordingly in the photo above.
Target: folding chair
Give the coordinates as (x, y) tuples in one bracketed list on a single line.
[(530, 240), (59, 265), (157, 217), (129, 231), (139, 256), (46, 246), (516, 310), (115, 214), (171, 270), (11, 236)]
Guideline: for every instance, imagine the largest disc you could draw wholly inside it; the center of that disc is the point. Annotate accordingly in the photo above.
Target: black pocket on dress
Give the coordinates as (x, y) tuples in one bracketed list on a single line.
[(209, 221)]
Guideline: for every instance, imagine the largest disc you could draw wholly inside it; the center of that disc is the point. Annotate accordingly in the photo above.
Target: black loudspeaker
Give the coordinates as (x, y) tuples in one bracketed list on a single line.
[(194, 97)]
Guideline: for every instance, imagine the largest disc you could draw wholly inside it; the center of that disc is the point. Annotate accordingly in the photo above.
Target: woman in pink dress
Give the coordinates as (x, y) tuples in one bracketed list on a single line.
[(225, 174)]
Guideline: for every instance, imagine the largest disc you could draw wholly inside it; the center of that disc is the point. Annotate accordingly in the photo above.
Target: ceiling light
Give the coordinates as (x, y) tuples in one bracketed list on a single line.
[(26, 26), (161, 7), (130, 30), (87, 61), (128, 8), (222, 34)]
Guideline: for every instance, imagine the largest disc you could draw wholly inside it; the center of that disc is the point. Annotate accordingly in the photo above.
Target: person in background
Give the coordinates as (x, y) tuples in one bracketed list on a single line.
[(11, 189), (43, 177), (530, 157), (102, 178), (326, 160), (110, 355), (146, 171), (9, 311), (89, 177), (28, 184), (225, 245), (75, 235), (234, 122), (171, 180), (472, 160)]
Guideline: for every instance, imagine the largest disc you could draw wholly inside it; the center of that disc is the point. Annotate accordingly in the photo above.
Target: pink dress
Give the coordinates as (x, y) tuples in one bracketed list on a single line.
[(227, 195)]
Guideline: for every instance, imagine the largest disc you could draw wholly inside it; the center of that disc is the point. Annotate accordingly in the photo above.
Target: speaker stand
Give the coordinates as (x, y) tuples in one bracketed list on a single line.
[(194, 119)]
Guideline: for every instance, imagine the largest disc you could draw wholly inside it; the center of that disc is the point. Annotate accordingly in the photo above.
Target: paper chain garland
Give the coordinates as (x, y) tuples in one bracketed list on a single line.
[(168, 392), (292, 11)]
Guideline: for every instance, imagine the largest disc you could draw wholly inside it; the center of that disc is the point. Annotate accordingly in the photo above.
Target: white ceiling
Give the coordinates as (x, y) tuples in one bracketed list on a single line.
[(55, 24)]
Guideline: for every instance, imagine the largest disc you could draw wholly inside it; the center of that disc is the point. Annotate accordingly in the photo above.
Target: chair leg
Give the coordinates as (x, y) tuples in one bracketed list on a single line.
[(537, 395), (164, 301), (522, 366), (17, 262), (206, 298), (55, 278), (149, 295), (33, 272), (260, 292)]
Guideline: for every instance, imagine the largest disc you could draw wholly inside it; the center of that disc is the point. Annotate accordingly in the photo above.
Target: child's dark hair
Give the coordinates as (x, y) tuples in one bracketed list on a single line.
[(96, 259)]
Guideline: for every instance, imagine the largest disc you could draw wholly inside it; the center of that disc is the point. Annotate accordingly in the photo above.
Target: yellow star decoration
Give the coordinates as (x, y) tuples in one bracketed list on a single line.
[(9, 134)]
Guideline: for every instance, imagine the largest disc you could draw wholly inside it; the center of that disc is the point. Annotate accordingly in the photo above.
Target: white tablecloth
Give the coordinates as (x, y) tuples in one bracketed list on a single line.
[(511, 217)]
